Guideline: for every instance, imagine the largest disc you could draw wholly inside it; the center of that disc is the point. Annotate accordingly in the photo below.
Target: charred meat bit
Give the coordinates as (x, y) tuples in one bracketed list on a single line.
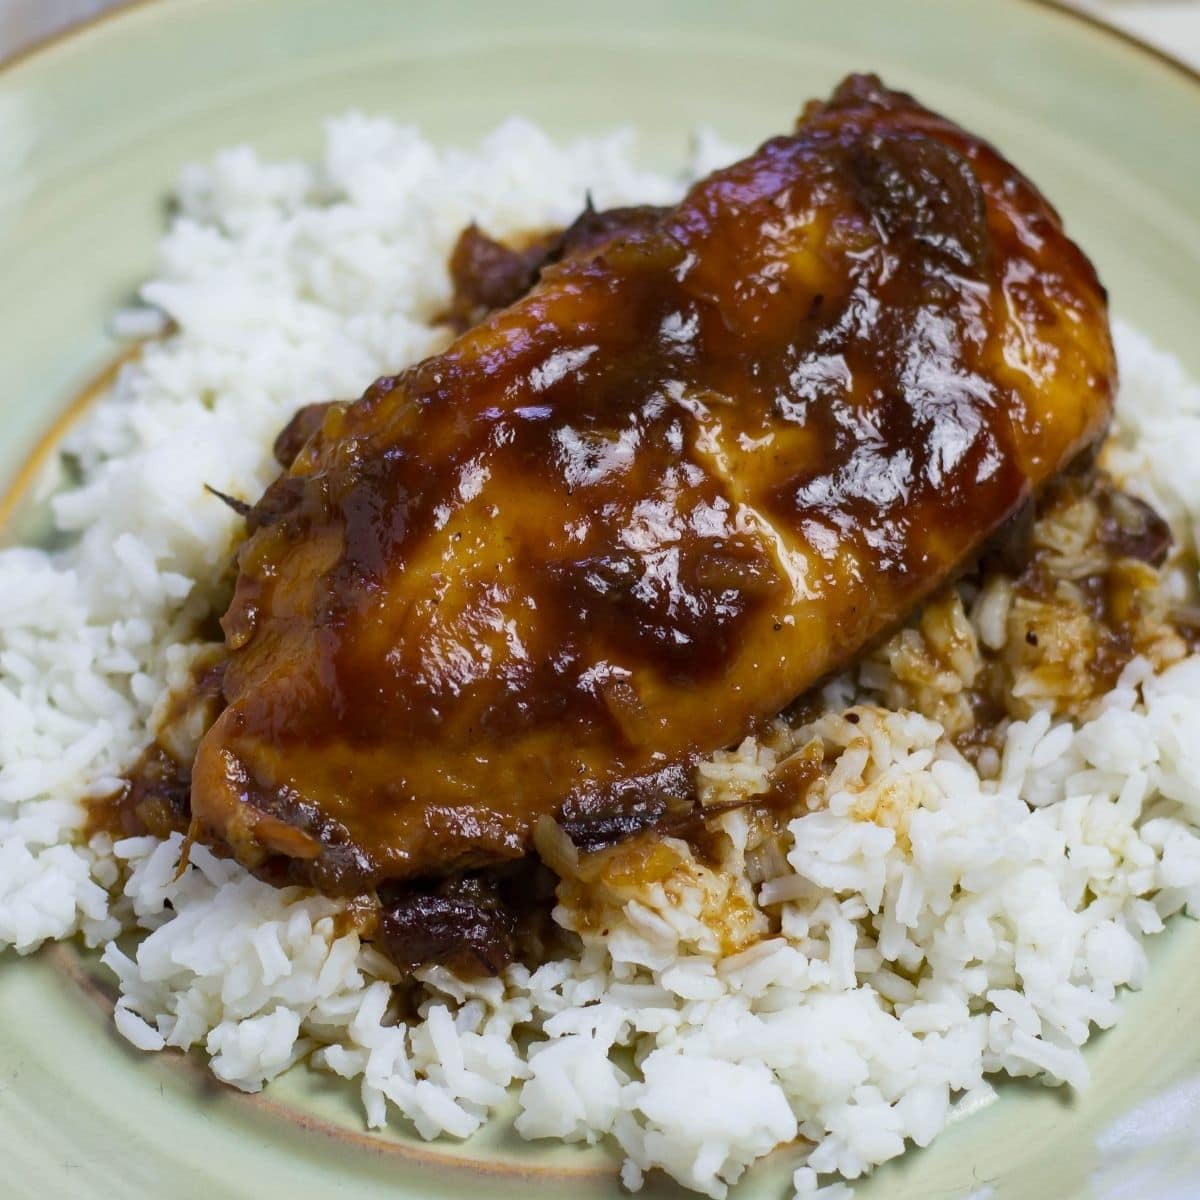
[(488, 275), (463, 925), (297, 431)]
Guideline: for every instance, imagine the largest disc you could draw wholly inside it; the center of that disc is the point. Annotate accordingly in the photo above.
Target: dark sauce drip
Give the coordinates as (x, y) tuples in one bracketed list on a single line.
[(156, 797)]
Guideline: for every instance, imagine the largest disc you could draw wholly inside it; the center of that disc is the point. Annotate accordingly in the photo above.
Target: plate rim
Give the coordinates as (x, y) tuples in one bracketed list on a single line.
[(46, 46)]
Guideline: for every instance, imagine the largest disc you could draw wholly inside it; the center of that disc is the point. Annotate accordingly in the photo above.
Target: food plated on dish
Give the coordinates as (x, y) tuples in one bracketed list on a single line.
[(726, 681)]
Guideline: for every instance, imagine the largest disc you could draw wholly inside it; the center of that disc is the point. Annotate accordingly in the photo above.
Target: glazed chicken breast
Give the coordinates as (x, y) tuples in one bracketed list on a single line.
[(708, 459)]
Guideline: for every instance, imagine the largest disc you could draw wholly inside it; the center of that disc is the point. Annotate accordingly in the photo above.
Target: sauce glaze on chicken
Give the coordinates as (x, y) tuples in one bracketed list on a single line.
[(713, 455)]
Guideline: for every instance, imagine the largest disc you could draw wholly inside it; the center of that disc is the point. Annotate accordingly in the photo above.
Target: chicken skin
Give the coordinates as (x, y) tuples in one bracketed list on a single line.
[(707, 460)]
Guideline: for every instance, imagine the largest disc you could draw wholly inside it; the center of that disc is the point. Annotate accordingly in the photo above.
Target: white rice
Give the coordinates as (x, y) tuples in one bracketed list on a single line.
[(991, 938)]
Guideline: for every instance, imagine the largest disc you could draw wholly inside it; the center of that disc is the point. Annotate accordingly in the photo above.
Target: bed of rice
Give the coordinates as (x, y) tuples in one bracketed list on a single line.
[(923, 927)]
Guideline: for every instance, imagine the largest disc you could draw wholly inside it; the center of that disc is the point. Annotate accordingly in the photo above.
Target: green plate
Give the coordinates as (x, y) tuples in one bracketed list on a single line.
[(92, 131)]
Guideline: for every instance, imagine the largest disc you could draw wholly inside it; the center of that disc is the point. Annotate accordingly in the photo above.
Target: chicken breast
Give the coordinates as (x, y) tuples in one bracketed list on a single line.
[(621, 523)]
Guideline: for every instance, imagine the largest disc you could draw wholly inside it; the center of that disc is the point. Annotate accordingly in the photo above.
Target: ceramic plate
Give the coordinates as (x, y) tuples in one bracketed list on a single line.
[(92, 132)]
